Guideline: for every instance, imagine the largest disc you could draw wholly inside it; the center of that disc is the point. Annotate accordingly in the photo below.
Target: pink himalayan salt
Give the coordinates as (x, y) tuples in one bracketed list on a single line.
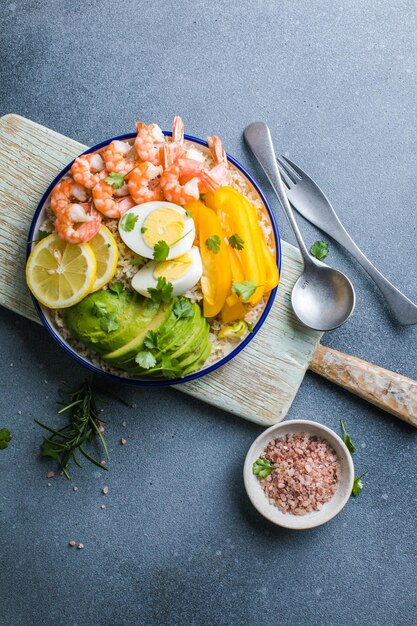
[(307, 474)]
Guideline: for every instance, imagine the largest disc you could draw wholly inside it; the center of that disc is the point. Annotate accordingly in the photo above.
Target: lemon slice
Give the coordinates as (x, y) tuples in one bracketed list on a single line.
[(104, 247), (60, 274)]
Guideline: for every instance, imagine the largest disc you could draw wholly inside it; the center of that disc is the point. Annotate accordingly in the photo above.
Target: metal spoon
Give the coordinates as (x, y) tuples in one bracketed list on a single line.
[(322, 297)]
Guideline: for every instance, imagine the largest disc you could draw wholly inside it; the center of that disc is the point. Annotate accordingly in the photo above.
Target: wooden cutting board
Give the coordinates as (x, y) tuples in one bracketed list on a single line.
[(260, 383)]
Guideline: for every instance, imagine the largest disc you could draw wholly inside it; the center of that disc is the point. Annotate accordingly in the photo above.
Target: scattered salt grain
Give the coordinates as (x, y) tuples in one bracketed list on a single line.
[(49, 484), (50, 475), (103, 506), (305, 476), (123, 423), (123, 441), (103, 462), (75, 488), (19, 412), (80, 546), (72, 543), (105, 490)]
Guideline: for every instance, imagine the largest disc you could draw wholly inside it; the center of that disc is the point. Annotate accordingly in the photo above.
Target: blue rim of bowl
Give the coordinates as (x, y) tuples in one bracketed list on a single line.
[(140, 382)]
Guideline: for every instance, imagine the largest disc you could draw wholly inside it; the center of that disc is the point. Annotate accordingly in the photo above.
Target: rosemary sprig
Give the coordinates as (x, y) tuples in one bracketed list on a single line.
[(84, 425)]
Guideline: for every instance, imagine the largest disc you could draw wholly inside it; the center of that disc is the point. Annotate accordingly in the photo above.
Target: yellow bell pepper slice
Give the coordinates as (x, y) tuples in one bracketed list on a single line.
[(272, 275), (194, 208), (234, 312), (216, 280), (237, 217)]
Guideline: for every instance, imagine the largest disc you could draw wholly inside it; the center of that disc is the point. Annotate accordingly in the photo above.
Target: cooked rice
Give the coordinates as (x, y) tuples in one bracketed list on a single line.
[(125, 272)]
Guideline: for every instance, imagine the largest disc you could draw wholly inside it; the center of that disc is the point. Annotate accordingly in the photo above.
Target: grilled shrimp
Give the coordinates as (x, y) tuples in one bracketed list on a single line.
[(78, 223), (148, 142), (105, 201), (88, 170), (118, 157), (143, 183), (177, 183)]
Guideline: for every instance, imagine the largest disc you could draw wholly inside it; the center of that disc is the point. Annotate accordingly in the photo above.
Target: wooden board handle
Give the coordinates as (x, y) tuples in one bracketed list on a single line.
[(389, 391)]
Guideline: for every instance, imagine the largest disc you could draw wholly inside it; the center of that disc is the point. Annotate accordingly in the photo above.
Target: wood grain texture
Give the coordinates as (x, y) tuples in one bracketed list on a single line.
[(389, 391), (259, 384)]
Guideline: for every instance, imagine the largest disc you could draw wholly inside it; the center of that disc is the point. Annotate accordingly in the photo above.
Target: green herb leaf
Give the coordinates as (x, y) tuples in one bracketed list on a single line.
[(138, 261), (245, 290), (320, 249), (5, 437), (263, 467), (143, 229), (151, 340), (99, 309), (183, 308), (161, 251), (84, 425), (128, 221), (109, 322), (107, 245), (145, 359), (162, 292), (358, 484), (115, 180), (236, 242), (213, 243), (250, 327), (189, 213), (347, 440), (117, 288)]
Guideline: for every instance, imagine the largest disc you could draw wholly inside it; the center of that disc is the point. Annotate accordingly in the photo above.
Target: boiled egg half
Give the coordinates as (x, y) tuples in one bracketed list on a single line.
[(183, 273), (143, 226)]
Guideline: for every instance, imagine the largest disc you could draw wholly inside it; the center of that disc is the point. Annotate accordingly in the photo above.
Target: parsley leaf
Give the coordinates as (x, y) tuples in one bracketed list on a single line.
[(145, 359), (128, 221), (236, 241), (346, 439), (189, 213), (183, 308), (117, 288), (151, 340), (245, 290), (161, 251), (162, 292), (358, 484), (213, 243), (250, 327), (263, 467), (5, 437), (110, 322), (320, 249), (115, 180), (143, 229), (99, 309)]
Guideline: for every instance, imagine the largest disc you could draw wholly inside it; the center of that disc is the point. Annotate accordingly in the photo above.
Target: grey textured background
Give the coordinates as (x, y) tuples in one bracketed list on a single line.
[(179, 543)]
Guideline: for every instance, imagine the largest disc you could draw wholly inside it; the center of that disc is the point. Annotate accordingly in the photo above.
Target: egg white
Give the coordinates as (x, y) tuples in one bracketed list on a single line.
[(134, 238), (144, 279)]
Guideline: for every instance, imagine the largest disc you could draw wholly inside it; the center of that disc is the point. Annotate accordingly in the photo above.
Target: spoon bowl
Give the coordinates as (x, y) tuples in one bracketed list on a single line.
[(323, 298)]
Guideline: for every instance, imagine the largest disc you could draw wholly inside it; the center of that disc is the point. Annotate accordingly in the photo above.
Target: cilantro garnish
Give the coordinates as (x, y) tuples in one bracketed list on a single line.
[(162, 292), (143, 229), (189, 213), (320, 249), (115, 180), (263, 467), (5, 437), (128, 221), (117, 288), (236, 241), (161, 251), (99, 309), (151, 340), (245, 289), (358, 484), (139, 260), (145, 359), (347, 440), (213, 243), (183, 308), (109, 322)]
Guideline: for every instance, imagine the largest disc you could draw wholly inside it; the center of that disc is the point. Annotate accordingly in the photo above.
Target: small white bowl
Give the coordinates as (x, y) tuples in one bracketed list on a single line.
[(312, 519)]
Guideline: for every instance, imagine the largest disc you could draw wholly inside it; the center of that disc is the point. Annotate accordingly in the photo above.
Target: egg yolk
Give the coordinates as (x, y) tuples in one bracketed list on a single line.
[(174, 269), (163, 225)]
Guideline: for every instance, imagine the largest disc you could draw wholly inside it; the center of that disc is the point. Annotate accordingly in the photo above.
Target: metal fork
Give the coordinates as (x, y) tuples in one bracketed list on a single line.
[(309, 200)]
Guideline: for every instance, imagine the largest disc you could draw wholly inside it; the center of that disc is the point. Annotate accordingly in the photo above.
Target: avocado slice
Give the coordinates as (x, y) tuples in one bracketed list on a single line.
[(129, 350), (105, 320)]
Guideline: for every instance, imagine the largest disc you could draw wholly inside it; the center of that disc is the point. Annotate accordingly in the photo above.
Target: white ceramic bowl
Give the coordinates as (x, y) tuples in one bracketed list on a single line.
[(314, 518)]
